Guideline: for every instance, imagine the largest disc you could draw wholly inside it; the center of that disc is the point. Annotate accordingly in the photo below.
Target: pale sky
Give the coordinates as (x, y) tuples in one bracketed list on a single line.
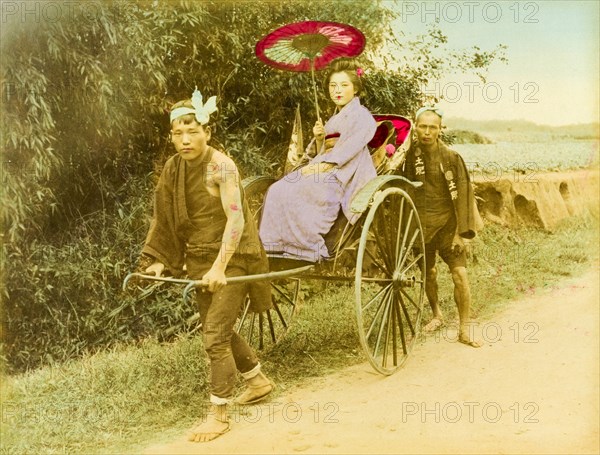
[(552, 76)]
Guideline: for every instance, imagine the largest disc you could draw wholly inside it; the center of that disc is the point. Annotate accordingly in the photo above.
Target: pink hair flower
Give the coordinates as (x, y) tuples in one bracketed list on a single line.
[(390, 150), (360, 72)]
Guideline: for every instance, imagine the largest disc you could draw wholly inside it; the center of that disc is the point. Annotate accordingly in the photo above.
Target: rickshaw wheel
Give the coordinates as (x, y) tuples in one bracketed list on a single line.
[(389, 285), (265, 329), (255, 189)]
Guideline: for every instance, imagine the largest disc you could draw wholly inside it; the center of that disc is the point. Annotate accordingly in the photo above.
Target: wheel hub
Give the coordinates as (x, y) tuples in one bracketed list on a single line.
[(401, 280)]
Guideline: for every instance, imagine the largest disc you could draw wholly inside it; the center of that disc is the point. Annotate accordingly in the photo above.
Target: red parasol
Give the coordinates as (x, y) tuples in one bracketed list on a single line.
[(309, 46)]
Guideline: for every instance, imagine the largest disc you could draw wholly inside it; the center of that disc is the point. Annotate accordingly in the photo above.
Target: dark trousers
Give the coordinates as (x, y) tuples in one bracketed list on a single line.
[(226, 350)]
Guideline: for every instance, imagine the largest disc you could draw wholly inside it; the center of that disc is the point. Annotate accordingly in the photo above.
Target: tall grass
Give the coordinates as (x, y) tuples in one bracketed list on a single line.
[(65, 294), (122, 398)]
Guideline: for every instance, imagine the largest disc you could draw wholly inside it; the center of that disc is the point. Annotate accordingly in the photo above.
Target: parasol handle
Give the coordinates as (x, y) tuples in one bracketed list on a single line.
[(312, 73)]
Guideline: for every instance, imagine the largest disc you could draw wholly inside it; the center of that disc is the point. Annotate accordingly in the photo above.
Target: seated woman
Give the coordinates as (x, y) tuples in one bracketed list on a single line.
[(301, 208)]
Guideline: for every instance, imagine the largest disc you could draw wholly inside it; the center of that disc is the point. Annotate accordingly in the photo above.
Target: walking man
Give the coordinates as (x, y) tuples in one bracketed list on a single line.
[(201, 219), (446, 206)]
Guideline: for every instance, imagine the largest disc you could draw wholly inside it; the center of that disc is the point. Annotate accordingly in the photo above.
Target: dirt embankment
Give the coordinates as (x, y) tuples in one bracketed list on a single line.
[(536, 199), (539, 200)]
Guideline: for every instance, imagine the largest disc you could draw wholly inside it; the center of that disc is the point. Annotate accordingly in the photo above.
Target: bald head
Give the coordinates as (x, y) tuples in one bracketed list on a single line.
[(426, 109), (428, 125)]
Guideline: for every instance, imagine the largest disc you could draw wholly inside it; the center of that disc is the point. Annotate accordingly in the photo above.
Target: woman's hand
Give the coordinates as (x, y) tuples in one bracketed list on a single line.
[(319, 131)]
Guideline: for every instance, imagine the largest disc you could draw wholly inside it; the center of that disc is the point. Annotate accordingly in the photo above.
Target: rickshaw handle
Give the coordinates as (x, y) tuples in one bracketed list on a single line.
[(234, 279)]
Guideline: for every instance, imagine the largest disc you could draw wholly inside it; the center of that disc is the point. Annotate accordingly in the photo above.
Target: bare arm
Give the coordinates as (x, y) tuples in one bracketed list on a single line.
[(227, 179)]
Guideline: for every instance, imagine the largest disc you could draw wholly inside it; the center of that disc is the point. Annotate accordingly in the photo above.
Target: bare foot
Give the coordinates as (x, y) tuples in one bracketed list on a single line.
[(433, 325), (208, 430), (469, 341)]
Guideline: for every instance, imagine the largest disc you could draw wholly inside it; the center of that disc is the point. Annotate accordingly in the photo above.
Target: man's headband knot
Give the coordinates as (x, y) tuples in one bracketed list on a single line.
[(202, 111)]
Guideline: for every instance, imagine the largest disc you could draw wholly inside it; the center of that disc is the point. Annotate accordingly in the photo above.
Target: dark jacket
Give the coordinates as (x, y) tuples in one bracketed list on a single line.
[(460, 189)]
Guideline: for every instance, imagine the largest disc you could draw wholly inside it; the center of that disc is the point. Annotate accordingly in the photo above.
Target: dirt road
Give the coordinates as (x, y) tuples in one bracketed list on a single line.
[(532, 388)]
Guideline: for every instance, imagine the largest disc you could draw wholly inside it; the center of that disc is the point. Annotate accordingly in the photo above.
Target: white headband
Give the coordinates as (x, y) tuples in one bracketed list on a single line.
[(429, 108), (202, 111)]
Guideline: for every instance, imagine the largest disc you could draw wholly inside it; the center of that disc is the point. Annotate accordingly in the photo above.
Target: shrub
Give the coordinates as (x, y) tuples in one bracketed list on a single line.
[(84, 101)]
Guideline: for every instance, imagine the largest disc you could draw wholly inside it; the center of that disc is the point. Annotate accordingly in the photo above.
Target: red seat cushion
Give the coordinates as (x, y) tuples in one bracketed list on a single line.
[(401, 125)]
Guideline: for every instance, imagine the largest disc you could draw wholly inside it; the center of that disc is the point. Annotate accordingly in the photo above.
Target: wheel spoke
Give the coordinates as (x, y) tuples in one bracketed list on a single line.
[(264, 329), (389, 313), (282, 294), (401, 326), (377, 263), (404, 250), (409, 249), (261, 334), (386, 344), (399, 229), (385, 245), (377, 312), (280, 314), (383, 325), (394, 342), (411, 263), (244, 314), (406, 315), (271, 325), (370, 302), (410, 299), (252, 323)]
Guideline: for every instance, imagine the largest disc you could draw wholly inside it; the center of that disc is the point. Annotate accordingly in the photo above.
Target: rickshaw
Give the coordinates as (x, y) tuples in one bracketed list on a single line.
[(381, 255)]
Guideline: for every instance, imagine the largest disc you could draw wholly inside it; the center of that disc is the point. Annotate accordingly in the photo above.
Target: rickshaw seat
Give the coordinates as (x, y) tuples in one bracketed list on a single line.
[(392, 130)]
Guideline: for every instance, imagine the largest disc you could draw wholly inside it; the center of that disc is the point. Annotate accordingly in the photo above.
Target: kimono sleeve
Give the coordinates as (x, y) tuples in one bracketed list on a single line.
[(358, 129), (466, 207), (162, 242)]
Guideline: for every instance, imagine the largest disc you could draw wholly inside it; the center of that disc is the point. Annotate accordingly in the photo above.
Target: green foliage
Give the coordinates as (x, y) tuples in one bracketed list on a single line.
[(84, 104), (429, 56)]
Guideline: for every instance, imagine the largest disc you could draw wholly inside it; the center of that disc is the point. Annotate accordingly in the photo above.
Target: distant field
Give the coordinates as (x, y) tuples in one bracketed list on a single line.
[(529, 157)]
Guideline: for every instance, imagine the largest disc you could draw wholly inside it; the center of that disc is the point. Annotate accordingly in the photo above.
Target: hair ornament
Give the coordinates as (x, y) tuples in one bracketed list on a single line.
[(201, 110)]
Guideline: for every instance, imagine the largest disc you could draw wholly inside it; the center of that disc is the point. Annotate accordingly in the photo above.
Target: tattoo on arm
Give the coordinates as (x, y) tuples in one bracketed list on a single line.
[(235, 234)]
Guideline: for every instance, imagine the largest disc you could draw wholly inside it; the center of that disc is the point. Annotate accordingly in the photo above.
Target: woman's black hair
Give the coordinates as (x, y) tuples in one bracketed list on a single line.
[(348, 66)]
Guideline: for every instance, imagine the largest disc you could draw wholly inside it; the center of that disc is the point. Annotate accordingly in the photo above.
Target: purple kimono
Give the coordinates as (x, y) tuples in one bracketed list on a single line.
[(299, 210)]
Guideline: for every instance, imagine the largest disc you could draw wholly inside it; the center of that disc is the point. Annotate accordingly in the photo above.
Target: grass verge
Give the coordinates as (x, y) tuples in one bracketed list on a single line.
[(122, 399)]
